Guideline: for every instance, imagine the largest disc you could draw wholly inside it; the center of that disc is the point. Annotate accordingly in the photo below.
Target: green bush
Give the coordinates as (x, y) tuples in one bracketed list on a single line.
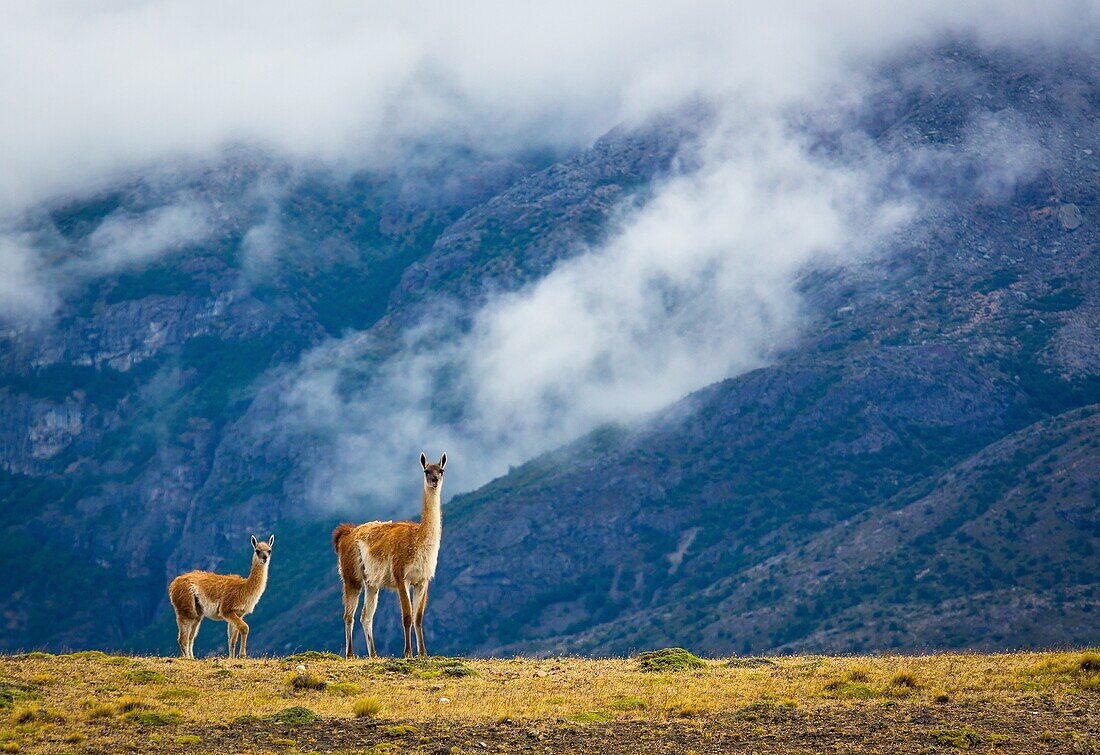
[(294, 716), (368, 707), (669, 659)]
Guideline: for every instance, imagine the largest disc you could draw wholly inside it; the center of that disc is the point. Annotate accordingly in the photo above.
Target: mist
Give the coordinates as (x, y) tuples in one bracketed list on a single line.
[(696, 285)]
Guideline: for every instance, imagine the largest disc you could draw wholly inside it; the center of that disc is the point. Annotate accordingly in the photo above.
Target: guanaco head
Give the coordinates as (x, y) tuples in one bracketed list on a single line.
[(433, 473), (263, 550)]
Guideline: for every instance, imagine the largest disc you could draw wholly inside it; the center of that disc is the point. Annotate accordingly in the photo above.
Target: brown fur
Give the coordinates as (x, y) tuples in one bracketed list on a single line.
[(399, 545), (229, 595)]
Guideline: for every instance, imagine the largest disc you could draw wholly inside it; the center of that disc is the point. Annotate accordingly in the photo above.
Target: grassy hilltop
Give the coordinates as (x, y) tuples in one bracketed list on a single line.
[(668, 701)]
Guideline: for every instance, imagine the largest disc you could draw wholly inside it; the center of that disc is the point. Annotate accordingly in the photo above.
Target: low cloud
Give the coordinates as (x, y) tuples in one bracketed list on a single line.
[(39, 268), (696, 286)]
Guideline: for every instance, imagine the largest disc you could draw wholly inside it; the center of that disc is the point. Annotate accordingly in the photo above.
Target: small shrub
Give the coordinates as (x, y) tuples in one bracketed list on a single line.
[(153, 717), (178, 693), (669, 659), (87, 655), (284, 742), (294, 716), (245, 720), (304, 680), (146, 676), (36, 716), (10, 747), (41, 679), (905, 679), (1089, 663), (347, 689), (75, 738), (858, 674), (963, 739), (189, 739), (128, 703), (903, 684), (117, 660), (102, 710), (313, 655), (368, 707)]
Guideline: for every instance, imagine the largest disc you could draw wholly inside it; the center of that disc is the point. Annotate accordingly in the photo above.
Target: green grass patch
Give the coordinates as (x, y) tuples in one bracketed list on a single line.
[(35, 654), (146, 718), (852, 690), (11, 693), (401, 730), (669, 659), (294, 716), (189, 739), (87, 655), (424, 668), (962, 739), (627, 703), (146, 676)]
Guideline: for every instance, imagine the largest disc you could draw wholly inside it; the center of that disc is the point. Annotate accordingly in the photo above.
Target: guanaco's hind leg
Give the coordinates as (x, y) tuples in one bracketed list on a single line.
[(191, 637), (351, 600), (406, 615), (370, 603), (420, 601), (231, 630), (184, 632)]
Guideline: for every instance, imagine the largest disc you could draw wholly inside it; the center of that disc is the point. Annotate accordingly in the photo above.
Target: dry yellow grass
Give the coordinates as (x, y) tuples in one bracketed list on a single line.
[(1017, 702)]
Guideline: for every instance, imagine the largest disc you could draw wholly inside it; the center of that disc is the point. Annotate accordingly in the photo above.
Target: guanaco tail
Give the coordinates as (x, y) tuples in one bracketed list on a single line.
[(224, 597), (394, 555)]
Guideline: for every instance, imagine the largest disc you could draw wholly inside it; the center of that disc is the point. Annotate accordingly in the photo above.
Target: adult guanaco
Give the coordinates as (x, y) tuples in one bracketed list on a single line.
[(394, 555), (224, 597)]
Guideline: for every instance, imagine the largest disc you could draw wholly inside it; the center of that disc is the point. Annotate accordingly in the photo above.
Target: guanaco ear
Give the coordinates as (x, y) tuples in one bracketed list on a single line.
[(253, 541), (423, 460), (443, 461), (271, 541)]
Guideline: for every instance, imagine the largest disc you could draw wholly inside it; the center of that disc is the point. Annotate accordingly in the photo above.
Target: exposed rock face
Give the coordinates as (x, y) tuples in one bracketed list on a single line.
[(918, 471)]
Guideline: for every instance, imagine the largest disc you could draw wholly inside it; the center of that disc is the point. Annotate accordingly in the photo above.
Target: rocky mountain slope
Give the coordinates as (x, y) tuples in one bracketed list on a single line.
[(919, 471)]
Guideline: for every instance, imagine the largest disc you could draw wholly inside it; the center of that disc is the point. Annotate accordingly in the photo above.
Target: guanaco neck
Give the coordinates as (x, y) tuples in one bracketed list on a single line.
[(431, 516), (257, 577)]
